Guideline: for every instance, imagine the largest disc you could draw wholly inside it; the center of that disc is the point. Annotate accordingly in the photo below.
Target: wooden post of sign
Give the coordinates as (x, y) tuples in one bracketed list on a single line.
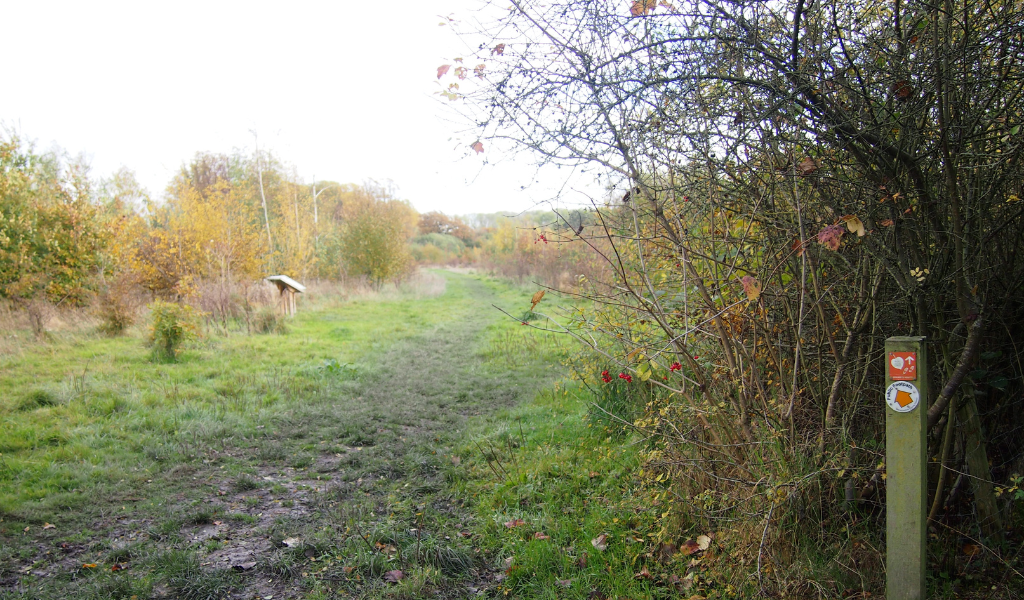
[(906, 476)]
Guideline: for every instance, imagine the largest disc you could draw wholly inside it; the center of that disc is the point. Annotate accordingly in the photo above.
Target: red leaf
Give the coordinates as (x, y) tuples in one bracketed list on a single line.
[(797, 247), (461, 72), (886, 223), (442, 70), (478, 147), (499, 49), (689, 547), (540, 536), (515, 523), (831, 236), (394, 576), (643, 574), (479, 70)]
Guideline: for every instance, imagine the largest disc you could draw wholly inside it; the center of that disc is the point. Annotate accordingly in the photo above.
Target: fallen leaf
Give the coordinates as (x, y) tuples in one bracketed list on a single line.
[(643, 574), (246, 566), (393, 576), (477, 147), (456, 461), (540, 536), (218, 522), (971, 549), (666, 551), (49, 526), (499, 50), (442, 70), (752, 287), (563, 582), (348, 570), (600, 542), (689, 547), (291, 542), (89, 566), (120, 567), (581, 562), (703, 542), (855, 225), (536, 299), (596, 594), (886, 223), (515, 523), (594, 474), (465, 534)]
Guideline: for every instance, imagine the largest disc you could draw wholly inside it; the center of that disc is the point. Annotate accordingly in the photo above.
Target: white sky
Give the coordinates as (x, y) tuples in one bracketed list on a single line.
[(343, 90)]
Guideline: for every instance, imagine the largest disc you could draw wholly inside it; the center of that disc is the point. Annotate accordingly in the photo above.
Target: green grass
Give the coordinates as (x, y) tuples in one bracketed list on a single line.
[(338, 433)]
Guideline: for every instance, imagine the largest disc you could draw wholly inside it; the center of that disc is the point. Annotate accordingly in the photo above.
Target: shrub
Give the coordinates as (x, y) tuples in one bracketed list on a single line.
[(117, 307), (266, 320), (171, 325)]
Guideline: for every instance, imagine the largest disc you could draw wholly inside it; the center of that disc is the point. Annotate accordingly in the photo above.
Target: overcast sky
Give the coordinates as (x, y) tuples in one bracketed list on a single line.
[(344, 91)]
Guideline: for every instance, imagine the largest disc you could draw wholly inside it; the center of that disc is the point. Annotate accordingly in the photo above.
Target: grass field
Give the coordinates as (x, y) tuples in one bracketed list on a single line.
[(412, 444), (299, 465)]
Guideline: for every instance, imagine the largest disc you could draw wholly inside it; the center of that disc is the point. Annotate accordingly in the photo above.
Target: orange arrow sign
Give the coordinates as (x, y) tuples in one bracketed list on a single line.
[(903, 399)]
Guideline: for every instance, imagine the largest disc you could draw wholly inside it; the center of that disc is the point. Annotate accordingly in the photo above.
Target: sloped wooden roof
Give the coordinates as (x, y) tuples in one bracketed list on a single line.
[(287, 281)]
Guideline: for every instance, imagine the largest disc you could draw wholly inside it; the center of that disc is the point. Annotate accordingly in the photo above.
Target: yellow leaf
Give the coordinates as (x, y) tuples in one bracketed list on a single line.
[(855, 225), (536, 299)]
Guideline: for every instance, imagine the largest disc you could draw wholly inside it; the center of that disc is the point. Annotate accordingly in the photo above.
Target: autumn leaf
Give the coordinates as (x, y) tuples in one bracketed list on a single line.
[(831, 236), (971, 549), (689, 547), (515, 523), (461, 72), (442, 70), (643, 574), (563, 582), (348, 570), (394, 576), (752, 287), (479, 70), (855, 225), (478, 147), (536, 299), (806, 167), (600, 542), (499, 50), (49, 526), (886, 223), (642, 7), (89, 566), (797, 247), (540, 536), (290, 542), (703, 542)]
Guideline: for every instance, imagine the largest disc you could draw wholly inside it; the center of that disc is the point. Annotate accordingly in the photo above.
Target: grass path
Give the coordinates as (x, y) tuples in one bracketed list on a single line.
[(244, 475)]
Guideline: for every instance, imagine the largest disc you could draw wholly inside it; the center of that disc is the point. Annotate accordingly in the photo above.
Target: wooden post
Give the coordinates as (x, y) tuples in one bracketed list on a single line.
[(906, 428)]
